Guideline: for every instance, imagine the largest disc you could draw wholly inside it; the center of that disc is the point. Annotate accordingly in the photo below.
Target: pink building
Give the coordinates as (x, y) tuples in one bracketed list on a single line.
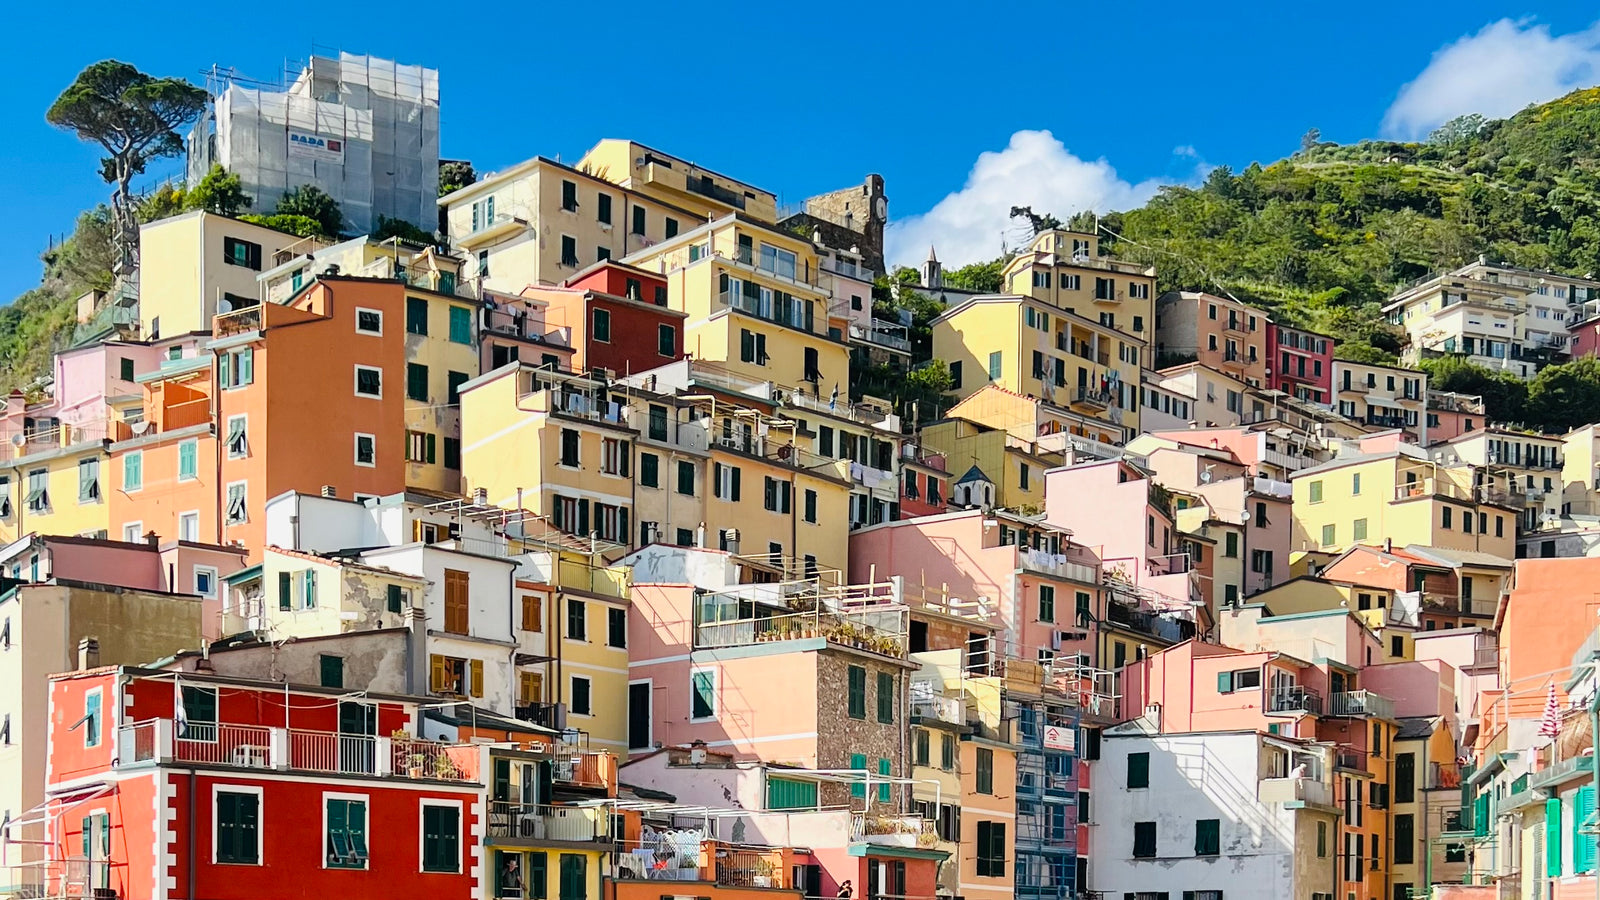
[(758, 668), (1451, 415), (176, 567), (1032, 580), (1300, 363), (1206, 687), (1121, 506)]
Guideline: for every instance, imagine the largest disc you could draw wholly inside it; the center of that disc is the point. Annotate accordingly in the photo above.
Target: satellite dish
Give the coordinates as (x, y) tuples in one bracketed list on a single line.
[(1205, 477), (141, 426), (19, 439)]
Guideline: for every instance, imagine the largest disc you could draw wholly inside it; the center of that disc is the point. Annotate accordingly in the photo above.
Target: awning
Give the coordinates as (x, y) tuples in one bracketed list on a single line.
[(53, 806)]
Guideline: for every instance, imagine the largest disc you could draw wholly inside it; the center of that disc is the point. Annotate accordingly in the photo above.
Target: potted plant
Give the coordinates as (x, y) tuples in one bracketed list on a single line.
[(445, 768)]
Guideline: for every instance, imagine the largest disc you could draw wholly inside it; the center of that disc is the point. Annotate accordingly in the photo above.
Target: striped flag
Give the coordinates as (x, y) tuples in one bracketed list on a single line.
[(1550, 722)]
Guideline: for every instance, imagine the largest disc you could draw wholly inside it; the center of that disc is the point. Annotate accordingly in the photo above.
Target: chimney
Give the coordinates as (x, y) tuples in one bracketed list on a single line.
[(329, 490), (151, 538), (1388, 545), (697, 752), (416, 621), (480, 497), (88, 654)]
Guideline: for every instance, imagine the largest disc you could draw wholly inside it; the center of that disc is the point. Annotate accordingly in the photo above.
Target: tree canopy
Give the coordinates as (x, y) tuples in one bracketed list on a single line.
[(312, 202)]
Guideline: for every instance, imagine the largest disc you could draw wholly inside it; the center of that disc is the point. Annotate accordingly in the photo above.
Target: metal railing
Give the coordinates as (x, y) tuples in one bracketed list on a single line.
[(1360, 704), (1294, 700), (1302, 790), (943, 709), (907, 830), (546, 822), (268, 747), (1057, 564)]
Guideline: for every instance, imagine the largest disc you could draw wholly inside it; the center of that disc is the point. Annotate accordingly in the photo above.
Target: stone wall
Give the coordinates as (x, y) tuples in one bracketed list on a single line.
[(839, 736)]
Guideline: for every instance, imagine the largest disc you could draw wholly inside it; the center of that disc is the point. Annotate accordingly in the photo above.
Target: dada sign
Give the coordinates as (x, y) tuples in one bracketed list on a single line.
[(315, 146)]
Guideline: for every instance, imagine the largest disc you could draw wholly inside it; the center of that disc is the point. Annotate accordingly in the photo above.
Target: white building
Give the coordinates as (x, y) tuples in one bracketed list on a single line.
[(1200, 814), (364, 130)]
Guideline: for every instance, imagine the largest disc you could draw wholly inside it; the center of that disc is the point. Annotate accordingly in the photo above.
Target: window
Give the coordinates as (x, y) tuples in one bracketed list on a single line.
[(396, 598), (638, 220), (857, 679), (886, 698), (991, 860), (1355, 484), (125, 369), (1316, 492), (616, 627), (580, 696), (703, 694), (132, 480), (994, 365), (441, 837), (457, 603), (955, 375), (366, 450), (1445, 517), (1207, 837), (569, 196), (1138, 770), (237, 511), (1144, 840), (345, 832), (331, 670), (984, 776), (1230, 544), (205, 581), (602, 326), (577, 620), (369, 321), (460, 325), (1404, 839), (574, 877), (809, 509), (238, 438), (89, 480), (236, 368), (1322, 840), (666, 341), (238, 818), (416, 315), (569, 251), (1047, 603), (420, 447), (241, 253), (614, 457), (777, 496), (602, 210), (649, 470), (686, 478), (947, 752), (188, 460), (672, 227), (752, 347), (189, 526), (308, 589), (483, 213), (91, 718), (569, 448), (1329, 533), (1022, 476), (369, 381)]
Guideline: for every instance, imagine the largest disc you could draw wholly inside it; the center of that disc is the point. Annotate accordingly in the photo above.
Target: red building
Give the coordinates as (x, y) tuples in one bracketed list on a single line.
[(1300, 363), (167, 785), (925, 487), (618, 316)]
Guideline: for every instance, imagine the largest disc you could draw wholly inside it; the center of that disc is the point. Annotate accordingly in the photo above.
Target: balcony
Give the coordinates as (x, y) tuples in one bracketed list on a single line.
[(863, 413), (1305, 791), (885, 337), (893, 830), (938, 709), (669, 858), (880, 629), (498, 226), (291, 749), (1443, 776), (1056, 564), (1167, 629), (1562, 772), (1360, 705), (1091, 397), (1350, 760), (49, 440), (1294, 700), (576, 767), (543, 822)]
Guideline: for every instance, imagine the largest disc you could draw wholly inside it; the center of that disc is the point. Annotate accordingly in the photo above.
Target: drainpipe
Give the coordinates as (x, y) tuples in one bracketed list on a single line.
[(1594, 738)]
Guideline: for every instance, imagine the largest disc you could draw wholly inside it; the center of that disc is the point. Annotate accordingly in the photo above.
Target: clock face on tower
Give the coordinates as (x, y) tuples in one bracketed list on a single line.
[(880, 208)]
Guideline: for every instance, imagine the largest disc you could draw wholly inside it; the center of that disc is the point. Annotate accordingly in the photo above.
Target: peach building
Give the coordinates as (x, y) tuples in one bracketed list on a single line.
[(1216, 331), (303, 396)]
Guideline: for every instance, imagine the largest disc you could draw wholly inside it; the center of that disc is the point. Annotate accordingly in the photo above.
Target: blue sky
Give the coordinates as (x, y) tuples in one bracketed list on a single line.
[(950, 105)]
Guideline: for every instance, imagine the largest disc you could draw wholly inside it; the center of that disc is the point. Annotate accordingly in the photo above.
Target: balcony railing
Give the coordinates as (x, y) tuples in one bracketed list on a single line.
[(544, 822), (263, 747), (1443, 776), (1294, 700), (1296, 790), (942, 709), (1057, 564), (1163, 627), (893, 830), (1360, 704), (1093, 397), (1346, 759), (882, 337)]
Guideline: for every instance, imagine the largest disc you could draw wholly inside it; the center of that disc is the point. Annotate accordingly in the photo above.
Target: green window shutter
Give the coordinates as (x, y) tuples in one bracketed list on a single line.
[(883, 789), (332, 671), (1138, 770), (285, 591), (1224, 682), (1207, 837), (188, 459), (786, 793), (1480, 816), (1552, 837), (886, 697), (1583, 846), (460, 325), (441, 838), (396, 598), (538, 878), (858, 761), (858, 692), (416, 381), (574, 877)]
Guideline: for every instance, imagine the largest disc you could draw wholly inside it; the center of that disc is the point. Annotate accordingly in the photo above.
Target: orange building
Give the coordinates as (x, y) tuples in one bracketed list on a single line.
[(319, 380)]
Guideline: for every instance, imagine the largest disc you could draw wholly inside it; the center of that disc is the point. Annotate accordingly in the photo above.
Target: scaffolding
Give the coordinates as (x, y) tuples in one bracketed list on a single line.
[(364, 130)]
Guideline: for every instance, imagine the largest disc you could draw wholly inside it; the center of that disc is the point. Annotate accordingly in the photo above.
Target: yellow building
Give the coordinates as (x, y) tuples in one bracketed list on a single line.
[(1399, 496), (1065, 270), (1426, 789), (1580, 470), (755, 305), (441, 333), (54, 482), (588, 674), (1383, 397), (1523, 470), (1032, 348), (654, 174), (991, 468), (554, 444), (197, 264), (1051, 429)]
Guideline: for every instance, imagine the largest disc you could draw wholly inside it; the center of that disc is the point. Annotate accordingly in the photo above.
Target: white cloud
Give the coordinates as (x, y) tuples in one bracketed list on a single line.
[(1185, 150), (1033, 170), (1496, 72)]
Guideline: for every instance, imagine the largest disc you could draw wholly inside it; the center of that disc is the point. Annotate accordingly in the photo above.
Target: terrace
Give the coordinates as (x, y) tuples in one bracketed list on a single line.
[(268, 748), (861, 617)]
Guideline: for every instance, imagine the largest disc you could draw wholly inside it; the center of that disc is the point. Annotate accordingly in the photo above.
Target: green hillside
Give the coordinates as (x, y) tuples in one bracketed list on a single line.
[(1323, 237)]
